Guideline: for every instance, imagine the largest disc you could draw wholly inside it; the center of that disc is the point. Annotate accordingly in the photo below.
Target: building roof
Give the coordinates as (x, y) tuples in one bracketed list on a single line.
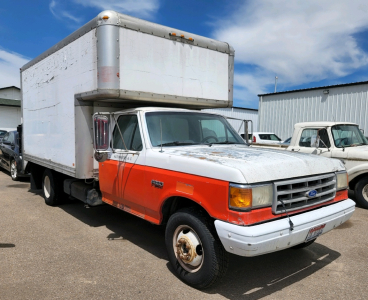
[(9, 102), (244, 108), (316, 88), (8, 87)]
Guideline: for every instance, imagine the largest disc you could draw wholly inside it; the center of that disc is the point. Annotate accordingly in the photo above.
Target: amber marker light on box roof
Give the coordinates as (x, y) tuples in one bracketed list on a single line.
[(240, 198), (105, 17)]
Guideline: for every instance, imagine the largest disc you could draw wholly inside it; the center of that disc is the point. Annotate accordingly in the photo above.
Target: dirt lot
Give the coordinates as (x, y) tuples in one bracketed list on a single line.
[(74, 252)]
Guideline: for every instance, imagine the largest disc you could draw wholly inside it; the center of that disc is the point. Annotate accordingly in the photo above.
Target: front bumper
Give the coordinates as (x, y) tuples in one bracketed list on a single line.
[(276, 235)]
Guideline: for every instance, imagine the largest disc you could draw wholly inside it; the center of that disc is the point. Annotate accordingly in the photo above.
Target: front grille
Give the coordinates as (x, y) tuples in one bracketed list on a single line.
[(294, 192)]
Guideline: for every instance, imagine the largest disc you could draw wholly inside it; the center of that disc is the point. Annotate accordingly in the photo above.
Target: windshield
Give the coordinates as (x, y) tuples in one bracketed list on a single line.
[(2, 133), (187, 128), (348, 136)]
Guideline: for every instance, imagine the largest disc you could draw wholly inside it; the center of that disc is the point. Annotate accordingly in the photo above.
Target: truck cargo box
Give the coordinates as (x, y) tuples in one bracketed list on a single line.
[(114, 61)]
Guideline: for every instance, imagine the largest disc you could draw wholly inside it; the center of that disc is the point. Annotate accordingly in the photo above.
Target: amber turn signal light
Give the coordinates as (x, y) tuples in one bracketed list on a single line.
[(240, 198)]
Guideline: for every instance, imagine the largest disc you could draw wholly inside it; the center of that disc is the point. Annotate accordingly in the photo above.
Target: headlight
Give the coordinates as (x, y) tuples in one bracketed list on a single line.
[(245, 197), (342, 181)]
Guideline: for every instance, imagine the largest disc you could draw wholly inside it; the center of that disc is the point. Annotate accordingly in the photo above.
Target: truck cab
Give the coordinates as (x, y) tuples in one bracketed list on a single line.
[(341, 140)]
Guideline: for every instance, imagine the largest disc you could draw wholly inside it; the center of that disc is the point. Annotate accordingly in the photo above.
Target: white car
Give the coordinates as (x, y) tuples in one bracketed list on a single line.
[(265, 138)]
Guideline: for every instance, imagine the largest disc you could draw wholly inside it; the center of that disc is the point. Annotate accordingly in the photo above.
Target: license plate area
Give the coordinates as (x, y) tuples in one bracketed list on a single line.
[(315, 232)]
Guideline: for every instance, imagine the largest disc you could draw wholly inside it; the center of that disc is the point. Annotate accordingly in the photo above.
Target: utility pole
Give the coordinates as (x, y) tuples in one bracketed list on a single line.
[(276, 83)]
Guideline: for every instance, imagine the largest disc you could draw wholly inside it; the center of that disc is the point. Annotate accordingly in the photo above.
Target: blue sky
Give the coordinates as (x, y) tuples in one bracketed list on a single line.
[(305, 43)]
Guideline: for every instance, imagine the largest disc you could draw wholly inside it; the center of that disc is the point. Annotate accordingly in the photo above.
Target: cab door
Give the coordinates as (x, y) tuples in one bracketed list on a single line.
[(122, 175), (321, 146)]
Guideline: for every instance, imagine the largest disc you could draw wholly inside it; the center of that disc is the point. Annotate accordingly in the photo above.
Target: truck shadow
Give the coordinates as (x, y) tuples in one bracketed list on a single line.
[(123, 225), (249, 278), (256, 277)]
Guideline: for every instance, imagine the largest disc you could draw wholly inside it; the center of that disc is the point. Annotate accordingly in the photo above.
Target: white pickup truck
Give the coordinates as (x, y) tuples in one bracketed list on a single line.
[(90, 132), (340, 140)]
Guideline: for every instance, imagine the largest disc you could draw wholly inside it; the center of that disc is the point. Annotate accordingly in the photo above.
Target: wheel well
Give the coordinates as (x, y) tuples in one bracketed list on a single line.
[(355, 180), (173, 204), (36, 175)]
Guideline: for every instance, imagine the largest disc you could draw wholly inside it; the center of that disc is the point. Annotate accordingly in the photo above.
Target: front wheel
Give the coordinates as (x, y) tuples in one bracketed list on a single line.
[(194, 249), (13, 170), (361, 192)]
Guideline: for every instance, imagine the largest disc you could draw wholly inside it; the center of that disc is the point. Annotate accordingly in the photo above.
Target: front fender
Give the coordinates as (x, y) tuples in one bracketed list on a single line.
[(357, 171)]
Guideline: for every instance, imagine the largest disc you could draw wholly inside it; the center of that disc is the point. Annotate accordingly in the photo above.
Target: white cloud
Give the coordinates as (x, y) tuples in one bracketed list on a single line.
[(138, 8), (300, 41), (10, 63), (61, 13)]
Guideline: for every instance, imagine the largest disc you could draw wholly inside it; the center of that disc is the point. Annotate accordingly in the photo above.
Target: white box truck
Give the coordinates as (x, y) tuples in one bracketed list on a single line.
[(90, 132)]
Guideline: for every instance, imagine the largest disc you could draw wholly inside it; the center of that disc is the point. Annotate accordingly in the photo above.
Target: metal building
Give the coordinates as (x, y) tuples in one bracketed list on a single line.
[(239, 113), (10, 114), (278, 112), (10, 92)]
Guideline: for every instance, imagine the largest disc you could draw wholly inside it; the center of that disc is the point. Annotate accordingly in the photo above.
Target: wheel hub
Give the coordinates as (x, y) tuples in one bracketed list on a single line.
[(185, 250), (13, 170), (47, 186), (365, 192), (188, 248)]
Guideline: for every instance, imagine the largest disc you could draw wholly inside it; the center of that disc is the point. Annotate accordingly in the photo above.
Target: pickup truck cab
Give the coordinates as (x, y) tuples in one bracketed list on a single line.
[(341, 140), (191, 171)]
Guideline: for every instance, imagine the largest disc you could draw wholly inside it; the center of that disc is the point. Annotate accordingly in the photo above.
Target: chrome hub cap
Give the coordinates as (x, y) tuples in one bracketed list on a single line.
[(13, 170)]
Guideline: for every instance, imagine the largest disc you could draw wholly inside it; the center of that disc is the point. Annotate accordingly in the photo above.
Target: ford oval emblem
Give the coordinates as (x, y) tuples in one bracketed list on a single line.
[(311, 194)]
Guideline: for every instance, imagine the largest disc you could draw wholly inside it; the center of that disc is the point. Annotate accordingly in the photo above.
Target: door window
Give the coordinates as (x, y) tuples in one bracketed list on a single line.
[(6, 137), (11, 138), (129, 129), (311, 133)]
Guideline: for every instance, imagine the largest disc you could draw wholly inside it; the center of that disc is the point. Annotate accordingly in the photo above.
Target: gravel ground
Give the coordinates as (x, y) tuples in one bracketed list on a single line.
[(74, 252)]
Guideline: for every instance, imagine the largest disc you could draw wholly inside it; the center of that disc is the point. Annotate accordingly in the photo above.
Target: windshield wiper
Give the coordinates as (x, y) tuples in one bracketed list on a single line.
[(177, 143), (226, 142), (221, 143)]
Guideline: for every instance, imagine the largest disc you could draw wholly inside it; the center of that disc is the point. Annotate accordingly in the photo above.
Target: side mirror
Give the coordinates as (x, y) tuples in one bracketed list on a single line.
[(101, 132)]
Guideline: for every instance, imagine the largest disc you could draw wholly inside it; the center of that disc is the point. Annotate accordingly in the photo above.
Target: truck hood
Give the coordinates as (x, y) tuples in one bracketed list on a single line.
[(357, 153), (258, 164)]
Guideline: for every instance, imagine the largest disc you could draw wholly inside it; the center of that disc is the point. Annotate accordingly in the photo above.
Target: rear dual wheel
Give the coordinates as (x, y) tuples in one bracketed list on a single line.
[(51, 188), (194, 250)]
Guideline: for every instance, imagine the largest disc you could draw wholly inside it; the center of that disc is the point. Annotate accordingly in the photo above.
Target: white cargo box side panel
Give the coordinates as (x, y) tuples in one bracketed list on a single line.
[(156, 65), (49, 87)]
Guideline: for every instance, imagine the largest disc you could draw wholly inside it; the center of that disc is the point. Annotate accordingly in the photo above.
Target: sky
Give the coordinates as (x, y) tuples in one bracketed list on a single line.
[(304, 43)]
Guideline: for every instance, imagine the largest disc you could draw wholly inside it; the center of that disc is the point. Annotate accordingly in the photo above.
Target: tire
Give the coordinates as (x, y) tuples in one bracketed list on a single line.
[(361, 192), (51, 188), (13, 170), (303, 245), (189, 234)]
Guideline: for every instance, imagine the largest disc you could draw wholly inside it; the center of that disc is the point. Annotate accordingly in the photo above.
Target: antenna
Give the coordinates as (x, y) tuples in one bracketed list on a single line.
[(276, 83), (161, 134)]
